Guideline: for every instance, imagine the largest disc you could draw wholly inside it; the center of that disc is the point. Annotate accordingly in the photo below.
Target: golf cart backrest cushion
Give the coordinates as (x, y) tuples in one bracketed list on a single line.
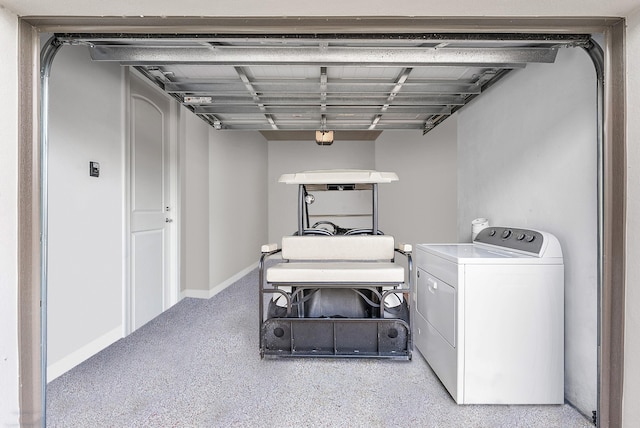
[(358, 247)]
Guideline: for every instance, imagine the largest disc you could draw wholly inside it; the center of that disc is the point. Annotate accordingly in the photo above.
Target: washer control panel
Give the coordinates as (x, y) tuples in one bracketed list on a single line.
[(512, 238)]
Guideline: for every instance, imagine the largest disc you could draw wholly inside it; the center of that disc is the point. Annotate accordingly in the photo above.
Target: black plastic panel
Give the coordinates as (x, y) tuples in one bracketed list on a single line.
[(336, 337)]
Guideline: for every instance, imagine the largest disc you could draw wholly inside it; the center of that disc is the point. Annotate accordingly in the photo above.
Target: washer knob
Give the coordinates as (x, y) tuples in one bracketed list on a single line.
[(506, 234), (492, 232), (530, 238), (520, 236)]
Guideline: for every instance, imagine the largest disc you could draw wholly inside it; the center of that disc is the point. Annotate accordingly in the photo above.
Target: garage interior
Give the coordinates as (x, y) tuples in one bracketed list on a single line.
[(498, 126)]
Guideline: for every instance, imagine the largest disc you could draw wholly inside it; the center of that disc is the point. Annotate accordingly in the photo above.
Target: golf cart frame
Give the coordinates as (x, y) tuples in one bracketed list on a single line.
[(340, 292)]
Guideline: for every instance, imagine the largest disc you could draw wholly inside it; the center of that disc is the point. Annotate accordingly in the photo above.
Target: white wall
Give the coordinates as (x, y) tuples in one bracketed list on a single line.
[(422, 206), (9, 411), (527, 152), (85, 213), (631, 393), (237, 204), (296, 156), (194, 171)]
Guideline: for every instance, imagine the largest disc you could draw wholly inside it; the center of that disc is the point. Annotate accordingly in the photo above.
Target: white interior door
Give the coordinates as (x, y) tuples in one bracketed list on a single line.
[(150, 220)]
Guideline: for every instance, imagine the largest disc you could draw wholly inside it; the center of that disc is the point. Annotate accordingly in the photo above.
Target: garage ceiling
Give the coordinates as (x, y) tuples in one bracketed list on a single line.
[(341, 82)]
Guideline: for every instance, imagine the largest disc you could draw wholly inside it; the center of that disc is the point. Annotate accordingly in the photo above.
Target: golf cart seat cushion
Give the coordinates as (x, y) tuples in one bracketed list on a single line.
[(336, 272), (337, 259), (342, 248)]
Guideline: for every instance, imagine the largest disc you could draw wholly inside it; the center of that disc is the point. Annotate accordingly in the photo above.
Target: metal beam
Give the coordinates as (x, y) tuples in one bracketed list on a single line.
[(254, 94), (365, 100), (391, 31), (304, 126), (323, 88), (315, 88), (399, 56), (317, 109), (397, 87)]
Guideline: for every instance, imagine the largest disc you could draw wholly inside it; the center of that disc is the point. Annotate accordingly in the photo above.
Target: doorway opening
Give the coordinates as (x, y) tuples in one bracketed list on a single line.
[(216, 121)]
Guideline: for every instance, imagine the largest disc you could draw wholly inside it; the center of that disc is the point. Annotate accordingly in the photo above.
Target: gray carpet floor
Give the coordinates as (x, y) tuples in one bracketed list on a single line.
[(197, 365)]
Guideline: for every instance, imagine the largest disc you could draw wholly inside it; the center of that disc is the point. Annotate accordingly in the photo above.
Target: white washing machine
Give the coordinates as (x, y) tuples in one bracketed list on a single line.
[(489, 316)]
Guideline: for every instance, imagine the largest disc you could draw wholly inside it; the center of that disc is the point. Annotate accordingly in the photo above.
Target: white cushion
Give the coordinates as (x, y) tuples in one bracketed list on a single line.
[(267, 248), (336, 272), (348, 248), (407, 248)]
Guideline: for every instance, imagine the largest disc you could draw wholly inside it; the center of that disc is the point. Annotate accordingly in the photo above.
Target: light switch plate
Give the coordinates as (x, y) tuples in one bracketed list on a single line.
[(94, 169)]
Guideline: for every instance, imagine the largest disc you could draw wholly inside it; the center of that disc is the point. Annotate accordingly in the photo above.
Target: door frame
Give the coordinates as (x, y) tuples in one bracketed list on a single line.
[(171, 291), (613, 204)]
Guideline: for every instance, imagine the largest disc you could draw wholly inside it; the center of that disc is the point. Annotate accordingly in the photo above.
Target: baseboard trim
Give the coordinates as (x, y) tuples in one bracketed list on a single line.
[(62, 366), (207, 294)]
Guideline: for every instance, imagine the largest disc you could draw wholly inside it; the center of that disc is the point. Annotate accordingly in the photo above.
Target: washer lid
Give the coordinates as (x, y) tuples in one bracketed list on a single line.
[(482, 254)]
